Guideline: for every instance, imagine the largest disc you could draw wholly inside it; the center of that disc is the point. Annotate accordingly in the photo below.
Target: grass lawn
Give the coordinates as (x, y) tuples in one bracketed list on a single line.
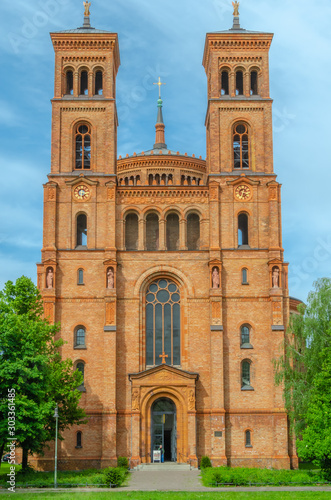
[(135, 495), (4, 469)]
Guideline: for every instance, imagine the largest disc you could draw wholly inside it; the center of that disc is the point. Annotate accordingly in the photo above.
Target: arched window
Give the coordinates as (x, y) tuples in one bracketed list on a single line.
[(240, 146), (69, 82), (81, 230), (83, 83), (163, 323), (239, 82), (83, 147), (80, 276), (225, 83), (244, 276), (79, 337), (131, 232), (81, 368), (79, 439), (248, 439), (98, 85), (172, 232), (242, 229), (245, 337), (193, 232), (246, 376), (152, 232), (254, 83)]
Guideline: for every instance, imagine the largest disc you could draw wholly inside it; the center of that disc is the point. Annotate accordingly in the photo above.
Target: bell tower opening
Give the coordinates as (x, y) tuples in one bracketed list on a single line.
[(163, 428)]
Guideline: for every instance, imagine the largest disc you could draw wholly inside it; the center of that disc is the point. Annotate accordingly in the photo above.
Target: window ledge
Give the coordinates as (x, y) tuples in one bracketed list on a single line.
[(78, 447), (244, 247), (247, 388), (80, 284), (246, 346), (245, 284), (248, 446), (82, 347), (81, 247)]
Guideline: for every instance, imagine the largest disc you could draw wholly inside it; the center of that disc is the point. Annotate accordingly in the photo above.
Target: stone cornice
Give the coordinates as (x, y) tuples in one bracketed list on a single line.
[(161, 161), (163, 368), (148, 194)]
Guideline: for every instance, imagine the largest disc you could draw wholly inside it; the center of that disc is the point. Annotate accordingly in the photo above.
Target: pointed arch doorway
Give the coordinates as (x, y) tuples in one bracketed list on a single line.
[(164, 428)]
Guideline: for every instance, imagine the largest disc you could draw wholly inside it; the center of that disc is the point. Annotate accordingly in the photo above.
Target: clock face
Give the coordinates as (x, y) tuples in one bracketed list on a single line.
[(243, 192), (82, 193)]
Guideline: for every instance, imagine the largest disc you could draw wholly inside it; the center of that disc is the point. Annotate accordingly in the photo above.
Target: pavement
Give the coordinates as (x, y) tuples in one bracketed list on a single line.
[(171, 480)]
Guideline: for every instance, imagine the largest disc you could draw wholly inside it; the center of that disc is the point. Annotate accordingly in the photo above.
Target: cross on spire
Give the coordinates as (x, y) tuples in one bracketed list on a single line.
[(159, 83), (163, 356)]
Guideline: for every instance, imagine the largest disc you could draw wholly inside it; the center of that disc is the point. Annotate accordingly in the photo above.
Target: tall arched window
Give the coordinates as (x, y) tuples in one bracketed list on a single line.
[(79, 340), (131, 232), (69, 82), (81, 230), (244, 276), (79, 439), (80, 276), (81, 368), (172, 232), (248, 439), (163, 323), (152, 232), (239, 82), (242, 229), (83, 83), (83, 147), (246, 376), (193, 232), (245, 337), (240, 146), (254, 83), (98, 84), (224, 82)]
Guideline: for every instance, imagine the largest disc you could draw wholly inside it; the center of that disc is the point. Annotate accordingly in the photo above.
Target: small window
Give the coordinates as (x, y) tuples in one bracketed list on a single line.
[(84, 83), (193, 232), (242, 229), (131, 232), (80, 337), (83, 147), (224, 83), (98, 83), (246, 376), (245, 335), (241, 146), (248, 439), (69, 83), (80, 277), (254, 87), (79, 439), (81, 230), (239, 82), (172, 232), (81, 368), (152, 232), (244, 276)]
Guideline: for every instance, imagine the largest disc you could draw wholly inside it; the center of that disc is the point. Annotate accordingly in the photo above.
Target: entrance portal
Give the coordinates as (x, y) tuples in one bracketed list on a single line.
[(164, 428)]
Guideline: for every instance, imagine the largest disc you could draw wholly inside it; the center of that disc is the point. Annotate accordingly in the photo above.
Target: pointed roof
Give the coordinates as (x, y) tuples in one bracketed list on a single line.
[(86, 28), (159, 128)]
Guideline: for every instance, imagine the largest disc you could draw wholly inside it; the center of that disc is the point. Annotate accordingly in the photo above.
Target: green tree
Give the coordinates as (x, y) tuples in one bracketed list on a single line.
[(305, 371), (31, 368)]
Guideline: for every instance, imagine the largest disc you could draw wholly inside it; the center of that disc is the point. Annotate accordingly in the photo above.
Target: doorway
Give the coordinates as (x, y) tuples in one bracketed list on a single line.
[(163, 429)]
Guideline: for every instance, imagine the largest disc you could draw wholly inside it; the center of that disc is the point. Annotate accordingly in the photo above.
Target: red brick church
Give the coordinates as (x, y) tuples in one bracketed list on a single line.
[(166, 271)]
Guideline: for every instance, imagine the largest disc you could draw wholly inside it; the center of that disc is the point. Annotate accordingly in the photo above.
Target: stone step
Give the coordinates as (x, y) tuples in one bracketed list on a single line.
[(165, 466)]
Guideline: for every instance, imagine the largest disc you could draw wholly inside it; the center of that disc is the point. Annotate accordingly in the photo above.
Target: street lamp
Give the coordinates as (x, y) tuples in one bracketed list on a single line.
[(56, 416)]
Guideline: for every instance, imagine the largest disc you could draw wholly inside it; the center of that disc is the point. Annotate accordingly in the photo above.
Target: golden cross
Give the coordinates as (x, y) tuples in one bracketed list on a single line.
[(163, 356), (159, 83)]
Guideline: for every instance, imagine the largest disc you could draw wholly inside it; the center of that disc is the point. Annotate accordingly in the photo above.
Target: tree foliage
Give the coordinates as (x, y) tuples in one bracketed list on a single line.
[(305, 371), (31, 364)]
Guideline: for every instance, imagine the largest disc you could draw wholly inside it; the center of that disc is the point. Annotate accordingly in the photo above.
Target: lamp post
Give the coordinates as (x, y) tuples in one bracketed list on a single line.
[(56, 416)]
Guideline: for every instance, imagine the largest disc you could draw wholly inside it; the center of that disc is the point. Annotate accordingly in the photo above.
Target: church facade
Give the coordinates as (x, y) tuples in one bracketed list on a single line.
[(166, 271)]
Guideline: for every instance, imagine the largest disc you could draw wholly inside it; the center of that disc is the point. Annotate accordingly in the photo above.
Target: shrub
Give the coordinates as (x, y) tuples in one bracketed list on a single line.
[(205, 462), (114, 476), (123, 462)]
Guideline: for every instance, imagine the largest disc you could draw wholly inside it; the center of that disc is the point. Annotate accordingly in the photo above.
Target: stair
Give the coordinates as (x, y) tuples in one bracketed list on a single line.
[(165, 466)]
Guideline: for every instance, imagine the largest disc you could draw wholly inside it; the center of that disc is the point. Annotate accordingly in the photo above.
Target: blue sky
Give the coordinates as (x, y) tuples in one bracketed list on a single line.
[(166, 38)]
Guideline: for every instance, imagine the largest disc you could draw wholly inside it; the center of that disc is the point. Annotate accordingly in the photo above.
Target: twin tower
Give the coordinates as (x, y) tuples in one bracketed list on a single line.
[(166, 271)]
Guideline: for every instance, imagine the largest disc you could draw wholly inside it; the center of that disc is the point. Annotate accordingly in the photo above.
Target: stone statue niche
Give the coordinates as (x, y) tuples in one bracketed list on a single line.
[(110, 278), (215, 277), (275, 277), (50, 278)]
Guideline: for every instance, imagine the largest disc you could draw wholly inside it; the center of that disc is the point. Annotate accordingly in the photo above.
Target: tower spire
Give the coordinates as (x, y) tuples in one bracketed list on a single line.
[(236, 23), (159, 127), (87, 14)]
